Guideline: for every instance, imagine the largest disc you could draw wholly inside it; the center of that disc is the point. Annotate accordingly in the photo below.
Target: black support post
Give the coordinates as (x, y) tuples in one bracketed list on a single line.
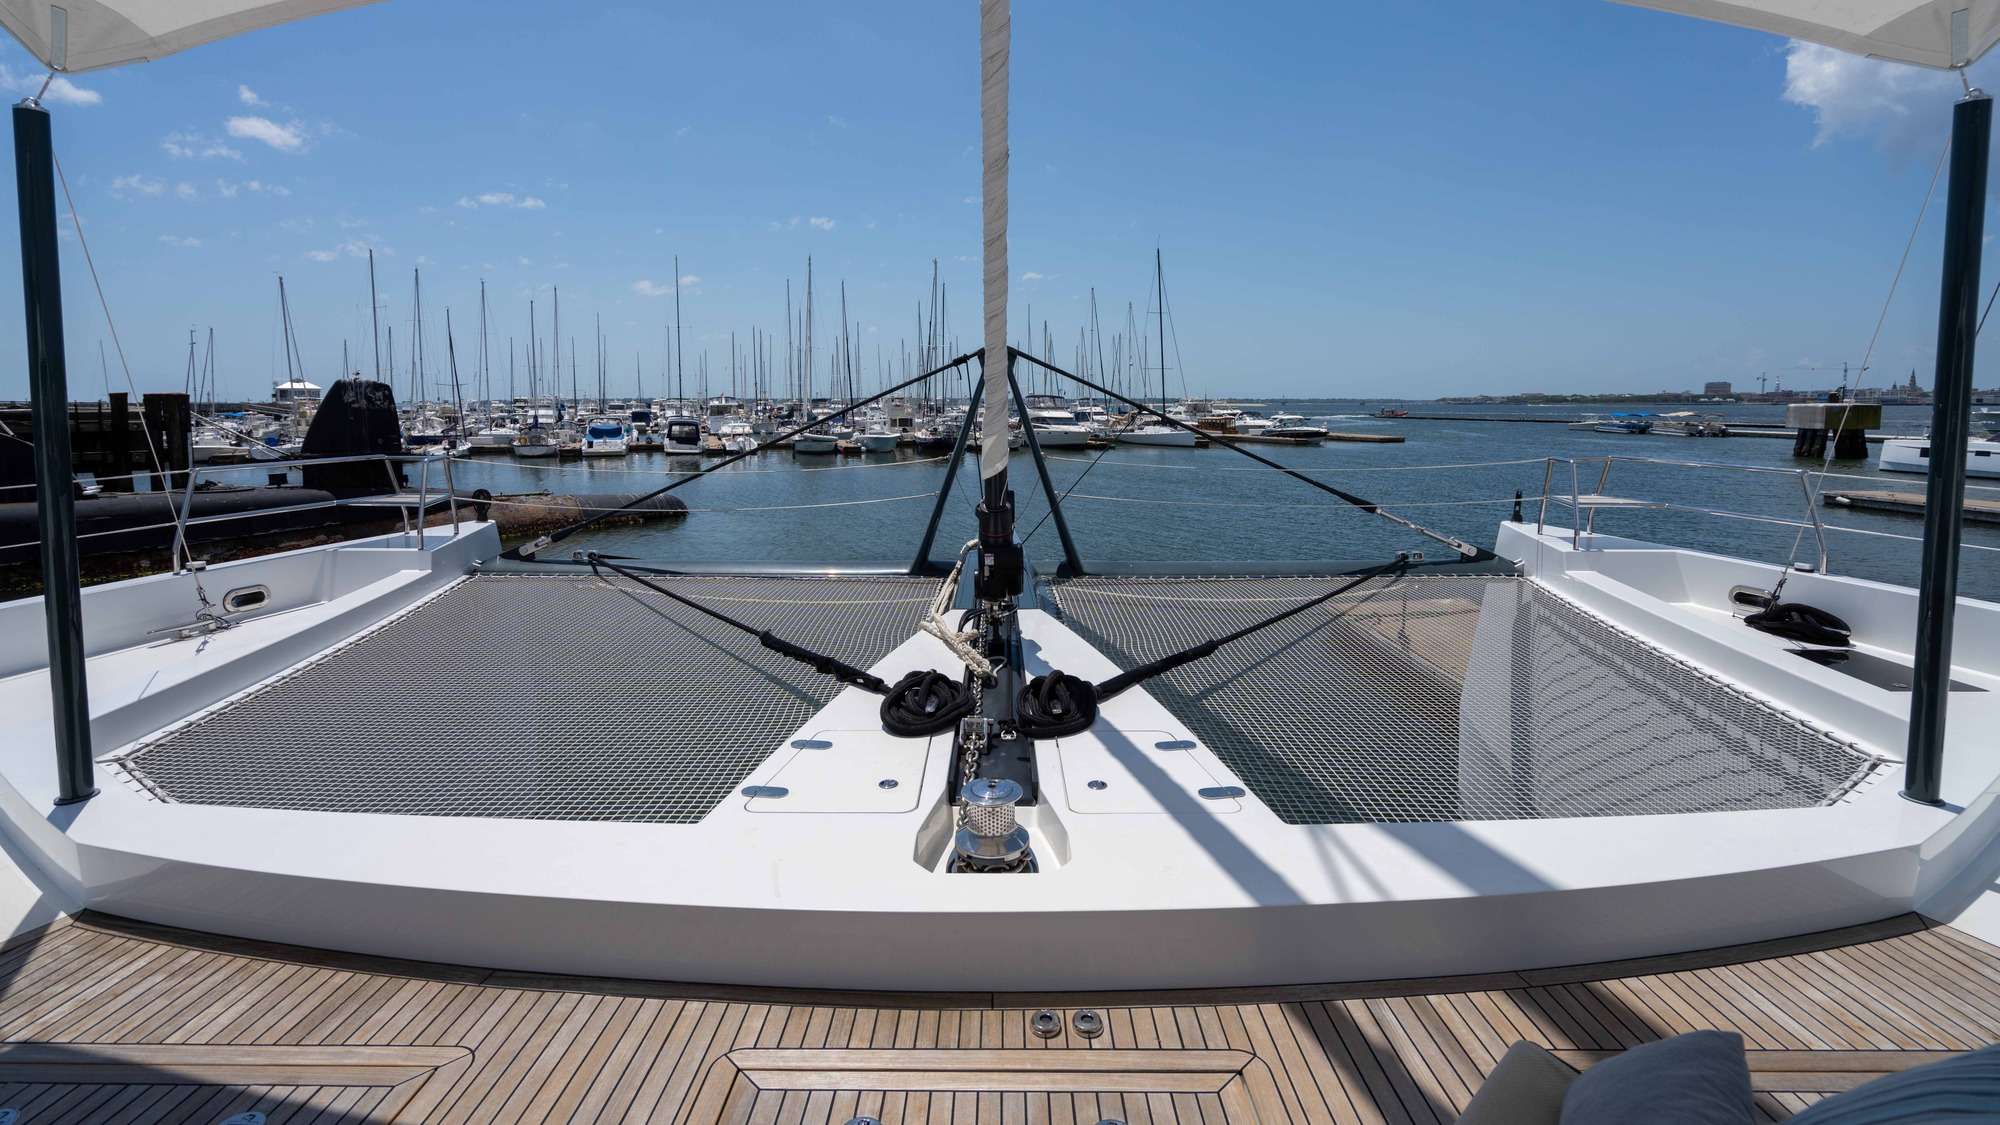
[(48, 381), (923, 560), (1951, 422), (1071, 559)]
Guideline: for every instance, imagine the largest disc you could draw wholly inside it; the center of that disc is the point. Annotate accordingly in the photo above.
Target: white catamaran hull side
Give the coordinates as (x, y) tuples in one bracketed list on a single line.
[(837, 885), (1913, 455)]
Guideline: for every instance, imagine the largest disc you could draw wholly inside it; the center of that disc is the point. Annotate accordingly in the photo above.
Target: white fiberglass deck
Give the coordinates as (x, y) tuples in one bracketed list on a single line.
[(841, 881)]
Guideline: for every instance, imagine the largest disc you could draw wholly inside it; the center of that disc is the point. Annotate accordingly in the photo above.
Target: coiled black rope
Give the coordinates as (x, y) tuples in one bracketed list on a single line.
[(1057, 705), (925, 703)]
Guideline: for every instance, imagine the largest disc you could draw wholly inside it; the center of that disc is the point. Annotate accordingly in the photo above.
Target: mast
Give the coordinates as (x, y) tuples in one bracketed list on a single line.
[(1160, 276), (1000, 564), (451, 355), (680, 382), (485, 372), (374, 315)]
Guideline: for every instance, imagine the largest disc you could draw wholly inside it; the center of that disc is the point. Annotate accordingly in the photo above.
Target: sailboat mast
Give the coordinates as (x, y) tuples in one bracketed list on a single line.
[(1160, 278), (374, 315), (680, 379)]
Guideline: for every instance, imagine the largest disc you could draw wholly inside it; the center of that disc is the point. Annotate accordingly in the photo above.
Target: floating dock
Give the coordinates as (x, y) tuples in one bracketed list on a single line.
[(1908, 504)]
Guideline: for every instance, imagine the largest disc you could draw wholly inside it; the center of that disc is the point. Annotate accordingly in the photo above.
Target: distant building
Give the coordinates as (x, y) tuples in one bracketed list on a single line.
[(1719, 388)]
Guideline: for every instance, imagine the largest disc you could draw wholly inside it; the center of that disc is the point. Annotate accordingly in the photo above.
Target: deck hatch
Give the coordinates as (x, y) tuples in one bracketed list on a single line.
[(1452, 698), (537, 697)]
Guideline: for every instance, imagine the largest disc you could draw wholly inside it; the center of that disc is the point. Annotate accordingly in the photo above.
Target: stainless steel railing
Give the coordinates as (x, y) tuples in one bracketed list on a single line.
[(1584, 505), (412, 523)]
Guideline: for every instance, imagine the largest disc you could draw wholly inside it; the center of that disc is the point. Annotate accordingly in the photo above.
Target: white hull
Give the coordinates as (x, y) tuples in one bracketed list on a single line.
[(604, 449), (880, 443), (1912, 455), (1159, 435), (534, 449), (813, 443), (1062, 437), (1227, 893)]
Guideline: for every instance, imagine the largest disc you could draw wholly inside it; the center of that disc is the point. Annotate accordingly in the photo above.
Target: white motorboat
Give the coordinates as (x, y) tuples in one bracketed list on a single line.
[(1172, 436), (1055, 423), (880, 441), (606, 437), (737, 434), (1293, 426), (1688, 423), (1913, 455), (815, 442), (681, 433), (493, 438)]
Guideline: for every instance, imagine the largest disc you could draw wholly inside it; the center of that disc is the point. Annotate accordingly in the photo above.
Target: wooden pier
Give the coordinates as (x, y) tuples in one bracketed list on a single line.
[(1908, 504)]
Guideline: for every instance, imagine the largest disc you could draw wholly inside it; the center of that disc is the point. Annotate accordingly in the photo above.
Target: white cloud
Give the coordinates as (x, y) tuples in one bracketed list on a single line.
[(230, 189), (690, 279), (64, 92), (124, 187), (821, 222), (836, 121), (502, 199), (351, 248), (284, 138), (647, 287), (248, 96), (191, 146), (182, 241), (970, 199), (1031, 275), (61, 91), (185, 190), (1899, 107)]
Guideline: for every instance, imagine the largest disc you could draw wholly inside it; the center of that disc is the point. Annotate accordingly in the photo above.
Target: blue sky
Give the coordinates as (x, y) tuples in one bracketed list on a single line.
[(1352, 199)]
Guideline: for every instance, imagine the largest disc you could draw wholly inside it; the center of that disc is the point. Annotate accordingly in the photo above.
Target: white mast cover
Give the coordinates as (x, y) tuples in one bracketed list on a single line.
[(996, 31), (1904, 30), (80, 35)]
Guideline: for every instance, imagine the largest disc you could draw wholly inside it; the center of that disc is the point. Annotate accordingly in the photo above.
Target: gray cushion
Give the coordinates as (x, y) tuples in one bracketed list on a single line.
[(1966, 1088), (1695, 1079), (1525, 1089)]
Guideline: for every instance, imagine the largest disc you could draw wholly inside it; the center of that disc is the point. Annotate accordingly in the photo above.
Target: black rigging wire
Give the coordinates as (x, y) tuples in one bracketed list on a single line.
[(818, 662), (528, 551), (1470, 552)]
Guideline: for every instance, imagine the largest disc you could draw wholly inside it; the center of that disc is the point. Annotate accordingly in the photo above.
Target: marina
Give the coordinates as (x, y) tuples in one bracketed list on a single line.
[(979, 729)]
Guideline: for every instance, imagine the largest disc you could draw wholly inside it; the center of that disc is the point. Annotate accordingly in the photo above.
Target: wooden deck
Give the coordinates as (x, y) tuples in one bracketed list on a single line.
[(108, 1020)]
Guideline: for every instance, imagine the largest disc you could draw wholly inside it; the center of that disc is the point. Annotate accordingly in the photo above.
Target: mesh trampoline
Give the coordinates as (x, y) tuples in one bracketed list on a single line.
[(1452, 698), (541, 697)]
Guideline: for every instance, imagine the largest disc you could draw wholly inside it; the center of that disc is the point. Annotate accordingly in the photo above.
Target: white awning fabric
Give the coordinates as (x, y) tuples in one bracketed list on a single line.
[(80, 35), (1904, 30)]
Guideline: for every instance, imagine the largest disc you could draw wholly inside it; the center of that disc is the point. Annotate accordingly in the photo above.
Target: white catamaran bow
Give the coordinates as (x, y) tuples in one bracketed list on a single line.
[(963, 774)]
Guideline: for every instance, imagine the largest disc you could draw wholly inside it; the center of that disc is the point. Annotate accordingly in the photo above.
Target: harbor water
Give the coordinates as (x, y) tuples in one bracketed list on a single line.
[(1137, 504)]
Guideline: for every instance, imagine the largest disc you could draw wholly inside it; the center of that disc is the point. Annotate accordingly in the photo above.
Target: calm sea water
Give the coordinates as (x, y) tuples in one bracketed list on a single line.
[(1185, 505)]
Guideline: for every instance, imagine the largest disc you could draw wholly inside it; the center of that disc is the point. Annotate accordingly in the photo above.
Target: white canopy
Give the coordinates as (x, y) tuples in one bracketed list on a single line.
[(79, 35), (1935, 33)]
